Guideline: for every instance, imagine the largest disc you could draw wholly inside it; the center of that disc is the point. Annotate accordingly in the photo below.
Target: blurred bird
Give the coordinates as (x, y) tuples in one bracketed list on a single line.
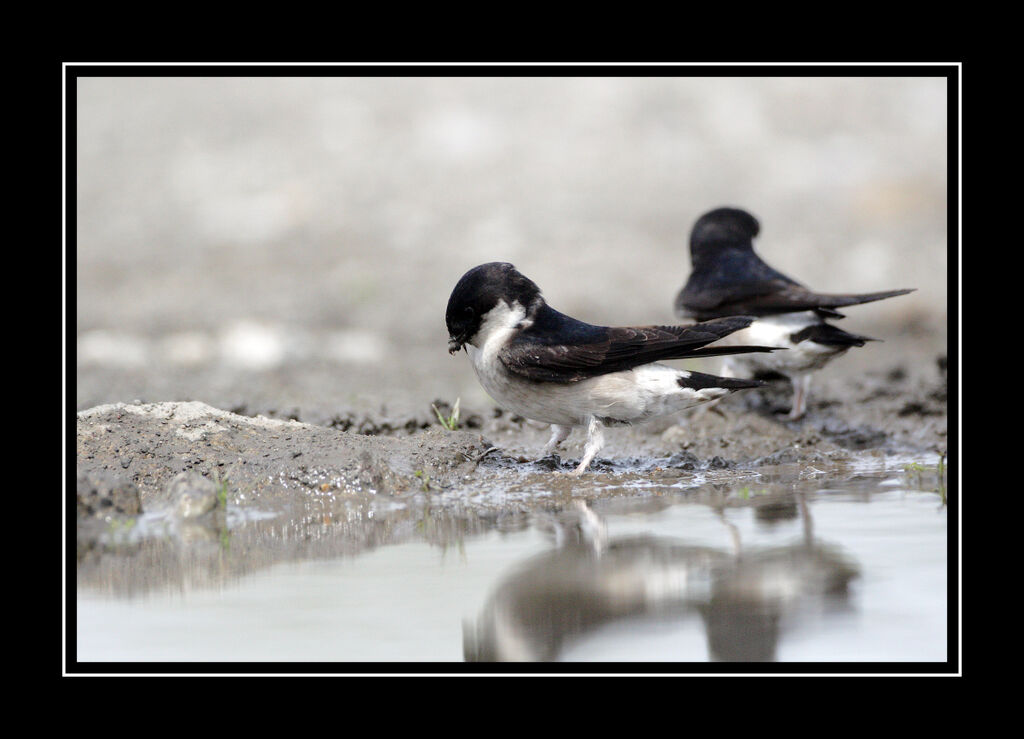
[(549, 367), (729, 278)]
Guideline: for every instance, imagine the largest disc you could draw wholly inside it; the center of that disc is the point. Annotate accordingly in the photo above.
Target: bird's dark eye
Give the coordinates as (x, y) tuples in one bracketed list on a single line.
[(469, 312)]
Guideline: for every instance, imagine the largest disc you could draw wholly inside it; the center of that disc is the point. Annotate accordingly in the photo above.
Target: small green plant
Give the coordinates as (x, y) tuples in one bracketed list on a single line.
[(917, 469), (424, 480), (745, 492), (222, 490), (451, 422), (120, 525)]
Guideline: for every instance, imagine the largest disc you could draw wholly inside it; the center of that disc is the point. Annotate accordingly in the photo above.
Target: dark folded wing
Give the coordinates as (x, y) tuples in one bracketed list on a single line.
[(729, 277), (784, 299), (702, 296), (599, 350)]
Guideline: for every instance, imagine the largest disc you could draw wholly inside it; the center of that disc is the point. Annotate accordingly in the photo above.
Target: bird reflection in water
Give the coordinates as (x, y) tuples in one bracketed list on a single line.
[(746, 599)]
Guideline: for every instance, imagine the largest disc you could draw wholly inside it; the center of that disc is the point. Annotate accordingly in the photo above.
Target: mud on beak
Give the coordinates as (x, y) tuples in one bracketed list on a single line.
[(454, 345)]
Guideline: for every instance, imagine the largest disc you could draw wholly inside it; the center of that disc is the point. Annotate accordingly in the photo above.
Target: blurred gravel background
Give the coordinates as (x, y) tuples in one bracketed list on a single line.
[(288, 244)]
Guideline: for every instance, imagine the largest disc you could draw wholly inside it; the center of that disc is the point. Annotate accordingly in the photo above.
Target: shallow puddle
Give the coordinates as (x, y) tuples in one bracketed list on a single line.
[(784, 570)]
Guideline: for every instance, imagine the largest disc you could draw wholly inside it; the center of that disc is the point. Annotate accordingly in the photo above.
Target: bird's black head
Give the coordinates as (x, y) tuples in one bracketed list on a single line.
[(720, 229), (477, 292)]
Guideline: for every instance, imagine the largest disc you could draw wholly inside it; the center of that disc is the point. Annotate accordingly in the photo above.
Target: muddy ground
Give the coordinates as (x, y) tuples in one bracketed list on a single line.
[(175, 493)]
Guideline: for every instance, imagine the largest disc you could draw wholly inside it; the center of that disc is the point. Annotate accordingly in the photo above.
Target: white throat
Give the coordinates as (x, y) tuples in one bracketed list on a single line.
[(498, 324)]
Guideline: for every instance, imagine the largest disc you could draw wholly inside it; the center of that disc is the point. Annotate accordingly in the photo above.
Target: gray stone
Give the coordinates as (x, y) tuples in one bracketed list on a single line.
[(191, 494)]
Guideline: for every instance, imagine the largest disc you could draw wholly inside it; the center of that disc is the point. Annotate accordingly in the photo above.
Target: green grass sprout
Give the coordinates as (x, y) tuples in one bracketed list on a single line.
[(424, 480), (451, 422)]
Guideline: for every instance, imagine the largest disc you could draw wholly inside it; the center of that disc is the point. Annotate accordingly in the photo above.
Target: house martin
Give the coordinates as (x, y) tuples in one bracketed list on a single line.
[(549, 367), (729, 278)]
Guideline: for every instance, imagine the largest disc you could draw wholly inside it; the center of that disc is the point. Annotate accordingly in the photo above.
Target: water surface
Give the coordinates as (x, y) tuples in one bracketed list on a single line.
[(826, 572)]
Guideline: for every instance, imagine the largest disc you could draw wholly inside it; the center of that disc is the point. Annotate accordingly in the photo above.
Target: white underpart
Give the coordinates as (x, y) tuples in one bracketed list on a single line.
[(797, 362), (630, 396)]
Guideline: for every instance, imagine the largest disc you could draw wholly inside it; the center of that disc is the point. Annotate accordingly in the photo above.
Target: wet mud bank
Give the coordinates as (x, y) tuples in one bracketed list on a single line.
[(172, 494)]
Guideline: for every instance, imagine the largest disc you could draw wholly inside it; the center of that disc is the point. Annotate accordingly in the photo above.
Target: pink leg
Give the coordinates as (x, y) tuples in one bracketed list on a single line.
[(595, 440), (801, 385)]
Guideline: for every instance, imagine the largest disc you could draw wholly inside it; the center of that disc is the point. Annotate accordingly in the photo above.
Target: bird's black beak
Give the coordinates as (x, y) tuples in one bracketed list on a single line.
[(454, 345)]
